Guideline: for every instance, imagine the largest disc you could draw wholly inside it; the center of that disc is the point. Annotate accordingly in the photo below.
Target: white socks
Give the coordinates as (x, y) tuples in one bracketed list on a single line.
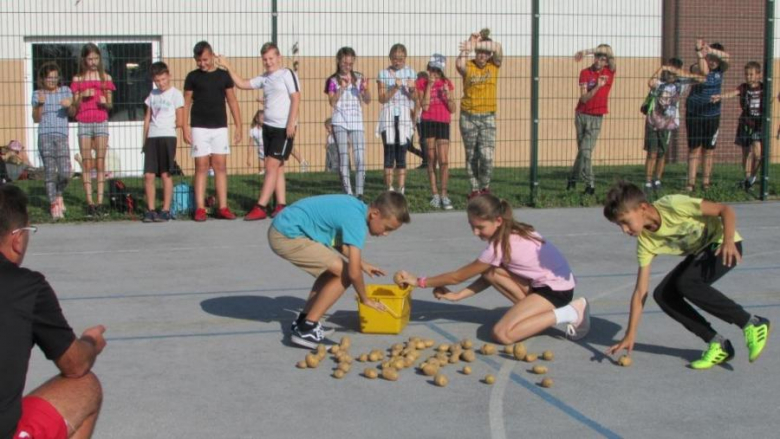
[(566, 314)]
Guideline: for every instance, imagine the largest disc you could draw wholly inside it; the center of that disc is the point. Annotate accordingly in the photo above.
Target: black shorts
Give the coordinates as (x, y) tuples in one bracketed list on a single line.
[(748, 133), (702, 131), (436, 130), (557, 298), (159, 155), (276, 144)]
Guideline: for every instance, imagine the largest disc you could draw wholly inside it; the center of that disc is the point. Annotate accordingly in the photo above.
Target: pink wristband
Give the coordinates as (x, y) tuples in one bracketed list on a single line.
[(422, 282)]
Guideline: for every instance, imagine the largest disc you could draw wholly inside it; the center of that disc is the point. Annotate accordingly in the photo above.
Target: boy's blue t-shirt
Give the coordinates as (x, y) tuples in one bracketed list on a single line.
[(699, 103), (331, 220)]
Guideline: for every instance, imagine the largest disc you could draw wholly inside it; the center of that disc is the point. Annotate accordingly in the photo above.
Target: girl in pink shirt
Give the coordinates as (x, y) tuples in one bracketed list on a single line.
[(92, 98), (438, 104), (522, 266)]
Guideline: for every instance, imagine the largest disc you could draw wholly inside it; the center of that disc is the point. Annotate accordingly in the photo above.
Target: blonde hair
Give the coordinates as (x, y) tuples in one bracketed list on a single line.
[(487, 207)]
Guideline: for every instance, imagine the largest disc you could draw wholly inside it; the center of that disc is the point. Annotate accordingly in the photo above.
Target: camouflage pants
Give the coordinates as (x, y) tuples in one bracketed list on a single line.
[(479, 139)]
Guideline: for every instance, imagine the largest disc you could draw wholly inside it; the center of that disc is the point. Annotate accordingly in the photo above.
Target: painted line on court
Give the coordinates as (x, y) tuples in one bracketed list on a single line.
[(192, 335), (538, 391)]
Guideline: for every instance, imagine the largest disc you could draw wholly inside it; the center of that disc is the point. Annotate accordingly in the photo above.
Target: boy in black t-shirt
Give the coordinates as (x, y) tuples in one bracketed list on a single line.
[(750, 128), (206, 90), (69, 403)]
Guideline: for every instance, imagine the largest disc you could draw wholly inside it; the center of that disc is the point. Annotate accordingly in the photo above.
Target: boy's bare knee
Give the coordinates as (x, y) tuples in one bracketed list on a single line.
[(500, 335)]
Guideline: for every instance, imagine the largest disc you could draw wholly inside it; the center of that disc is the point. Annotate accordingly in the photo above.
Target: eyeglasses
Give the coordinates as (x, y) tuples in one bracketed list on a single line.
[(31, 229), (52, 78)]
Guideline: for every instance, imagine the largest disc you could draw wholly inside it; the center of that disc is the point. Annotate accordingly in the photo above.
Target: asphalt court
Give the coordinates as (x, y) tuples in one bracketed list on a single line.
[(197, 315)]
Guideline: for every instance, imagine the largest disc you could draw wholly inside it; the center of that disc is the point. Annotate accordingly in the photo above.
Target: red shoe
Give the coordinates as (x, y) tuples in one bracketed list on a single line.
[(200, 215), (257, 213), (277, 209), (473, 194), (484, 191), (225, 213)]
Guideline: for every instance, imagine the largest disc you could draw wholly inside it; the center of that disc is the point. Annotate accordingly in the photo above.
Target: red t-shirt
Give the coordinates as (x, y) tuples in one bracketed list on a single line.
[(437, 110), (597, 105)]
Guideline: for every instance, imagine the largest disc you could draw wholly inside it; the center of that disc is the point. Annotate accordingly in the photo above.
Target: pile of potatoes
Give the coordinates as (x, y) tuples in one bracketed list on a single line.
[(415, 354)]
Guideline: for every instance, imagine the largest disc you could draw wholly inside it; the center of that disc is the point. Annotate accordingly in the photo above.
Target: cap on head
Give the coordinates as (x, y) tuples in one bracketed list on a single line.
[(437, 61), (15, 145)]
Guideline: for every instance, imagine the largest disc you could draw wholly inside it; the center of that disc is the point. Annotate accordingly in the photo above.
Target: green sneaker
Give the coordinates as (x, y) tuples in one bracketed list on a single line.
[(756, 337), (716, 354)]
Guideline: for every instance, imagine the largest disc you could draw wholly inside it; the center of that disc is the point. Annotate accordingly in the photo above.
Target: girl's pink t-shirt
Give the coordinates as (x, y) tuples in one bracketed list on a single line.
[(89, 110), (437, 110), (540, 263)]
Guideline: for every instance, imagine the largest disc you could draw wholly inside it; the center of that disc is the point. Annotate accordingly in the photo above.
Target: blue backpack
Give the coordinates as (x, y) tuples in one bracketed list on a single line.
[(183, 200)]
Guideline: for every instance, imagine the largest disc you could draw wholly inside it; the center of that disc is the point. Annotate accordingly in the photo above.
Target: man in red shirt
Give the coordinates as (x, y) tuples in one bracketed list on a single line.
[(595, 85)]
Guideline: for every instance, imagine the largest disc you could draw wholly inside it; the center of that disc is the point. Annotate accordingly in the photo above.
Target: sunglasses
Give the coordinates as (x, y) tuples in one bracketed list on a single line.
[(31, 229)]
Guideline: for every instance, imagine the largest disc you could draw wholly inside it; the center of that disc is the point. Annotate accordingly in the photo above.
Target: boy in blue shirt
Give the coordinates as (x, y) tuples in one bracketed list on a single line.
[(316, 234)]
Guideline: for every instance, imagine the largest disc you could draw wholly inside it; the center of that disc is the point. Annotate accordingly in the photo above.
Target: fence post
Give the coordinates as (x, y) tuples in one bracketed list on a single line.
[(534, 177), (769, 48), (274, 19)]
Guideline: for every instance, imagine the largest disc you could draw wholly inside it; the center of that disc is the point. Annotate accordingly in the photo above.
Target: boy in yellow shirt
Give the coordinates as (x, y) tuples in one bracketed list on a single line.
[(704, 232)]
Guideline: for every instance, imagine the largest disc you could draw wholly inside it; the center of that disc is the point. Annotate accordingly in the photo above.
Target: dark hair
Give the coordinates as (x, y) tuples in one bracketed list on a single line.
[(398, 47), (158, 68), (13, 209), (255, 119), (45, 69), (269, 46), (86, 50), (488, 207), (392, 205), (755, 65), (422, 74), (344, 51), (441, 72), (623, 196), (722, 65), (677, 63), (201, 47), (717, 46)]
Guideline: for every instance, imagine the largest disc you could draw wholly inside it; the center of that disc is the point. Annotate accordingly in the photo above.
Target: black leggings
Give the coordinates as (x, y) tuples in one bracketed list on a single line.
[(692, 280), (395, 154)]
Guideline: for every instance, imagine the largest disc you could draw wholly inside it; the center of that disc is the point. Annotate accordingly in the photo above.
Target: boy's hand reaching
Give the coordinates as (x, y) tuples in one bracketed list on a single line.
[(730, 253), (371, 303), (371, 270), (579, 55), (627, 343), (403, 279)]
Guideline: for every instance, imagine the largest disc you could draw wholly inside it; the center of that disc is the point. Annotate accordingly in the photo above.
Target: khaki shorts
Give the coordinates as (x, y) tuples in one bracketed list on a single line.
[(310, 256)]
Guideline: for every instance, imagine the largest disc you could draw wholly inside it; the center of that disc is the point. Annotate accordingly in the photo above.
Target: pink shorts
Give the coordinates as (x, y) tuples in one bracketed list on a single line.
[(40, 420)]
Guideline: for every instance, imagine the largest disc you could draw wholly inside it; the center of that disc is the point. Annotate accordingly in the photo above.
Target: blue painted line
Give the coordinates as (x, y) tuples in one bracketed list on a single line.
[(533, 388)]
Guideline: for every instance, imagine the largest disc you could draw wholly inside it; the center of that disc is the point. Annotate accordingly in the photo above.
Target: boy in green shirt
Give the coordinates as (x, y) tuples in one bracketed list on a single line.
[(705, 233)]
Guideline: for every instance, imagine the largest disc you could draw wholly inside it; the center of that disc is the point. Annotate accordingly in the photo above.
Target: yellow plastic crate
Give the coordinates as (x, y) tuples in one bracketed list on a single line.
[(399, 304)]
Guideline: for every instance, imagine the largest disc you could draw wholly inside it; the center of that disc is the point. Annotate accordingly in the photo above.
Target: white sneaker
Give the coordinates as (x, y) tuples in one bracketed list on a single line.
[(304, 166), (436, 201), (577, 330), (446, 203), (391, 189), (402, 190)]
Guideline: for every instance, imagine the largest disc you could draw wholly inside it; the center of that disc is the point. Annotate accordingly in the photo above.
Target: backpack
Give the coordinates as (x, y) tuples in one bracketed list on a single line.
[(4, 178), (119, 198), (183, 200)]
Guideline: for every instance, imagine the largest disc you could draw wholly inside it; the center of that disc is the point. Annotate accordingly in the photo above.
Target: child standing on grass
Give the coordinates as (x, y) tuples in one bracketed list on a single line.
[(51, 104), (667, 85), (395, 126), (164, 114), (325, 236), (523, 266), (702, 115), (331, 149), (282, 98), (256, 134), (347, 91), (705, 233), (750, 128), (437, 104), (92, 96)]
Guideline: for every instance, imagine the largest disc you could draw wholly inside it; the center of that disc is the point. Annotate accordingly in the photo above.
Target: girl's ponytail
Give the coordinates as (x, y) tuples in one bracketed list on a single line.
[(487, 207)]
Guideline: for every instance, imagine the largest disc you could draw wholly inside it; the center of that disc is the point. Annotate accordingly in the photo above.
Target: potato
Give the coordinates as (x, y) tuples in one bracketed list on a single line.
[(397, 347), (301, 364), (548, 356), (338, 374), (321, 348), (547, 382), (420, 345), (430, 370), (398, 279), (363, 358), (455, 358), (346, 358), (509, 349), (373, 356), (441, 380), (539, 370), (335, 349), (530, 358), (487, 349), (344, 367), (443, 358), (468, 356), (444, 347), (625, 361), (466, 370), (312, 361), (433, 361), (345, 342), (390, 374), (399, 364), (466, 344), (456, 347), (408, 361), (489, 379), (520, 351), (370, 373), (429, 342), (320, 355)]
